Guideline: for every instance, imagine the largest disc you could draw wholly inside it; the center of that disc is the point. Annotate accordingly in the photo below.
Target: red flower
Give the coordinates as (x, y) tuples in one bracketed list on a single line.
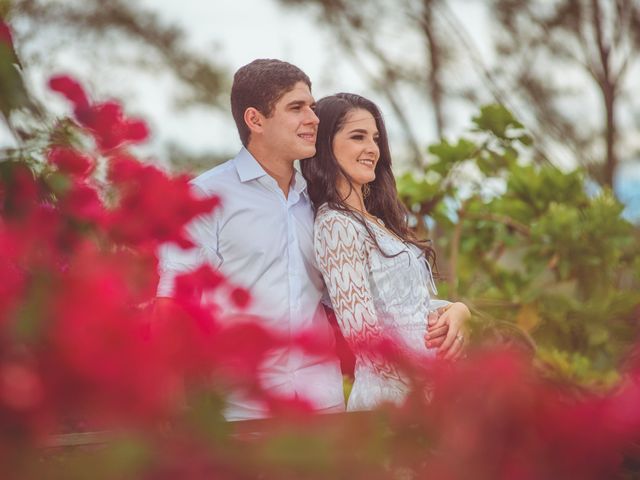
[(152, 207), (291, 408), (5, 34), (135, 131), (240, 297), (20, 192), (239, 349), (82, 202), (106, 359), (109, 126), (13, 282), (105, 121), (71, 89), (125, 168), (20, 387), (189, 286), (71, 161)]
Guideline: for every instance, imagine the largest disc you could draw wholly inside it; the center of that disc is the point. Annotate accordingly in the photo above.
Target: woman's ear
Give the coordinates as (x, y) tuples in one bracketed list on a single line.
[(254, 119)]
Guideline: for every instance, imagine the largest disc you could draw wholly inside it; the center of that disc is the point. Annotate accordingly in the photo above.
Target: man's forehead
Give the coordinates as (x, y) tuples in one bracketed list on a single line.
[(300, 92)]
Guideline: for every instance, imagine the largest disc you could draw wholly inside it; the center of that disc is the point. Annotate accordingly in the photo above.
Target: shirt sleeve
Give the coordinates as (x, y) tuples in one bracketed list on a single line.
[(174, 261), (343, 261)]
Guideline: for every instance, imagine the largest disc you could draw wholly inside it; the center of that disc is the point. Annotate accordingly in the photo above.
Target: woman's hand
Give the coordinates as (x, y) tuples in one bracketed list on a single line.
[(450, 319)]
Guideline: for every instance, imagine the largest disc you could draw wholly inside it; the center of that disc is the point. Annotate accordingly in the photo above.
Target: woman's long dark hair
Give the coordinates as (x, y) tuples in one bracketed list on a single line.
[(322, 172)]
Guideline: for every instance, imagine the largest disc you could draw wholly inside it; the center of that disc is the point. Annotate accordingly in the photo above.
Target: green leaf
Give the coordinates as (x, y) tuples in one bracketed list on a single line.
[(449, 154), (498, 120)]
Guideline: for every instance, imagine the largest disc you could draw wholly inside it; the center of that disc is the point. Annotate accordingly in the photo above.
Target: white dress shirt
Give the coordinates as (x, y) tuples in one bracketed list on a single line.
[(264, 242)]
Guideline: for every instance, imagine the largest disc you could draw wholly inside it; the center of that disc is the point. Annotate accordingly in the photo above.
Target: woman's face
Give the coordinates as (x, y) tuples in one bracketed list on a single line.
[(355, 146)]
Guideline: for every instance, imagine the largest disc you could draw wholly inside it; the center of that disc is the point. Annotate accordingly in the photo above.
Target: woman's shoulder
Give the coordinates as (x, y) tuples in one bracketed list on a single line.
[(330, 218)]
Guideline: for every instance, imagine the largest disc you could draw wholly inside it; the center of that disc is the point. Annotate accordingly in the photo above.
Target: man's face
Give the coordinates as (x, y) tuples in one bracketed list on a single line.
[(290, 132)]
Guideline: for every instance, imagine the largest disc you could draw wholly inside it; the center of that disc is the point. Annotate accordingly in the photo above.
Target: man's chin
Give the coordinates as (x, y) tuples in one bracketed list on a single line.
[(306, 152)]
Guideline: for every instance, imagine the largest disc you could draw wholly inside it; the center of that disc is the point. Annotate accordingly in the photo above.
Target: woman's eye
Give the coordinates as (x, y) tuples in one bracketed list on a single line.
[(357, 137)]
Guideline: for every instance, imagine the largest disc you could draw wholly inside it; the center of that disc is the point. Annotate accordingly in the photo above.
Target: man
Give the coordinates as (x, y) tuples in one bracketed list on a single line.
[(262, 235)]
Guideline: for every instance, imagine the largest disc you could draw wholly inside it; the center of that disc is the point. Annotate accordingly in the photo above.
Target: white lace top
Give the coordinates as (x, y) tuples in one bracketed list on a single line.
[(374, 296)]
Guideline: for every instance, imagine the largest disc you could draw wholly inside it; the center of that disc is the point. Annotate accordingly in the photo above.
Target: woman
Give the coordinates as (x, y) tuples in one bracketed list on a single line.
[(377, 273)]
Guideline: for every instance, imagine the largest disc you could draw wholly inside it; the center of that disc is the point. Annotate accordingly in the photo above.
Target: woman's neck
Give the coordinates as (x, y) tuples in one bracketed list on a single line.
[(352, 196)]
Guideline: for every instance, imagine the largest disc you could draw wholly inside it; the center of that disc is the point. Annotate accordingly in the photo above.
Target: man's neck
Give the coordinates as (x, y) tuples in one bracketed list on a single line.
[(281, 171)]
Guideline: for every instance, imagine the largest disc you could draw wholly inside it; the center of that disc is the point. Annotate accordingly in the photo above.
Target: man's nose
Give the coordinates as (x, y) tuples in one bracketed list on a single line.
[(312, 117)]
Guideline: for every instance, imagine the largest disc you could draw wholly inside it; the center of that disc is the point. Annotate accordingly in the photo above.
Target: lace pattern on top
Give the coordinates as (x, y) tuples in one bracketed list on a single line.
[(374, 297)]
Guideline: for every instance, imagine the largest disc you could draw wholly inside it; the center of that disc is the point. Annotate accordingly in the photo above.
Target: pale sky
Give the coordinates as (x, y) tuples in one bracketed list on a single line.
[(234, 33)]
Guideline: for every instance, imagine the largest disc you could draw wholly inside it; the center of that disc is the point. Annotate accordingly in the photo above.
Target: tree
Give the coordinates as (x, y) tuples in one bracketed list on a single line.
[(117, 35), (543, 255), (551, 58), (594, 43), (361, 28)]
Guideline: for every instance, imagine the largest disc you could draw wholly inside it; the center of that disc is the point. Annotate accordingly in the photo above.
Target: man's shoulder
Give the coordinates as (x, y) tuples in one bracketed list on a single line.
[(217, 177)]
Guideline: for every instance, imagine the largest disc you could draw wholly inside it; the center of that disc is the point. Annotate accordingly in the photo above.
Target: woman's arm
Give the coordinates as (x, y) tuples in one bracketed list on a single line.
[(342, 259)]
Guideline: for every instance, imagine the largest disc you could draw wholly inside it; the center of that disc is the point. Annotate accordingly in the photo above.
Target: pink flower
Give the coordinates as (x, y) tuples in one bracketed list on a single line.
[(82, 202), (105, 121), (20, 387), (135, 131), (5, 34), (71, 89), (20, 193), (152, 207), (106, 360), (240, 297), (69, 160), (189, 286), (110, 128)]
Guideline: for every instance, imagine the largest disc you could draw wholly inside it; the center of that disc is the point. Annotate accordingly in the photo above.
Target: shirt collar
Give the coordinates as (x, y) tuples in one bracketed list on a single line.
[(247, 166), (249, 169), (299, 182)]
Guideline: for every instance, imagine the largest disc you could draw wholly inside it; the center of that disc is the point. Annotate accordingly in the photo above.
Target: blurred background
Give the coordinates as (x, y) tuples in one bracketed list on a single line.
[(515, 130), (514, 126), (564, 69)]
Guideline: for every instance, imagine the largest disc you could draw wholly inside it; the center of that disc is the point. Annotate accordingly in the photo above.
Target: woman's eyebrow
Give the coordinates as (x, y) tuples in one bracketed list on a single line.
[(364, 131)]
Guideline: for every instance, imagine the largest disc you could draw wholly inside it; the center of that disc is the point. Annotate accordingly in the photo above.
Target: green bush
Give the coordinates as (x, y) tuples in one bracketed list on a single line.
[(537, 250)]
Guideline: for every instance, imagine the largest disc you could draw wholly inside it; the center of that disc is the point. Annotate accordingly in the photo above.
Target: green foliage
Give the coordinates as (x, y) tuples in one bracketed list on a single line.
[(543, 255)]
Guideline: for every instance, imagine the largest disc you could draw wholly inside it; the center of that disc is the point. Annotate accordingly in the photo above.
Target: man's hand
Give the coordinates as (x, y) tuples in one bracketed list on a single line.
[(445, 331)]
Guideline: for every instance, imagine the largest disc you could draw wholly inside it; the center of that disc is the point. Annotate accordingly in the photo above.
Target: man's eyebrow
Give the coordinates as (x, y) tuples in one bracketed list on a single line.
[(299, 103)]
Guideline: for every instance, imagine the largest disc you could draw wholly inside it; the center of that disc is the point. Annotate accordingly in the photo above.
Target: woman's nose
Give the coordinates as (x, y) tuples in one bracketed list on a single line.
[(372, 147)]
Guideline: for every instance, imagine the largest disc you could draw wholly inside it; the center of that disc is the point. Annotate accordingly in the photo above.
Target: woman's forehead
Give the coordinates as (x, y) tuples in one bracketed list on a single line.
[(359, 116)]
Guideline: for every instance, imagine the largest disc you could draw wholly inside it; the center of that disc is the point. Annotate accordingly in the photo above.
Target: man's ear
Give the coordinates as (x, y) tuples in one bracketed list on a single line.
[(254, 119)]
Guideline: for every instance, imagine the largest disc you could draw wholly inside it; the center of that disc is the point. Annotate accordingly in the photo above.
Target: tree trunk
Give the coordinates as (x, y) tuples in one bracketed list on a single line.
[(608, 88), (436, 90)]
